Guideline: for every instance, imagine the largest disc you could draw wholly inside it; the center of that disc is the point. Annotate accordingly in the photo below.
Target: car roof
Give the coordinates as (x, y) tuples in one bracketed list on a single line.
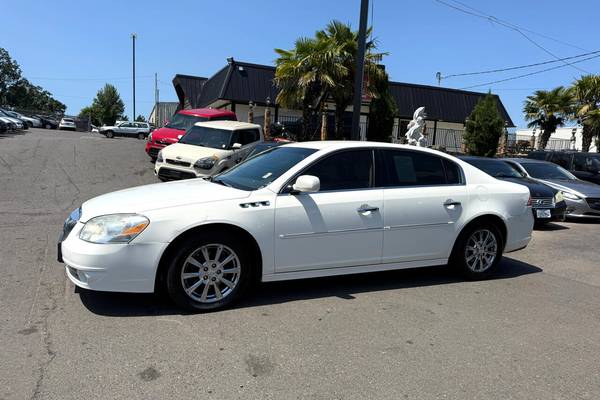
[(207, 112), (527, 160), (229, 125), (475, 158), (351, 144)]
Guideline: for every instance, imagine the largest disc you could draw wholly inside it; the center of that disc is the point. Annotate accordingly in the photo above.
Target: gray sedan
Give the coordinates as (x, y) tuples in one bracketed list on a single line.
[(582, 197)]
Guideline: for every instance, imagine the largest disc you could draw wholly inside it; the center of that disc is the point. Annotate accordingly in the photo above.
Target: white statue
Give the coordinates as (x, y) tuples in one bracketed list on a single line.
[(414, 135)]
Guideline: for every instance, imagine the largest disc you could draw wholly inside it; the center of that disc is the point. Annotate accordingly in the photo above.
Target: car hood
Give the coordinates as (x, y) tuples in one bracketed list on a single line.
[(579, 187), (159, 195), (191, 153), (167, 135), (536, 188)]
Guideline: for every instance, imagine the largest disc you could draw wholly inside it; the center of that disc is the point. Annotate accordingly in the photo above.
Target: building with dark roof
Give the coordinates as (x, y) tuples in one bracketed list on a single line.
[(239, 83)]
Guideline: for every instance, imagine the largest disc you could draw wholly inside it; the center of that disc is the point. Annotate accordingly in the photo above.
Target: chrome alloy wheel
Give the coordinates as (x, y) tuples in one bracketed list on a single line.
[(210, 273), (480, 251)]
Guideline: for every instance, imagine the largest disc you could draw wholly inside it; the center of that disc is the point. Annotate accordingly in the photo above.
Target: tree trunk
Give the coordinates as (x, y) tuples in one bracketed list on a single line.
[(339, 121), (305, 122), (544, 138), (587, 134)]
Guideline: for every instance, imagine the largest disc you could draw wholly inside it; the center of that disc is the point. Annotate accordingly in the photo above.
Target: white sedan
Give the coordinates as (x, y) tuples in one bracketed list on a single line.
[(296, 211)]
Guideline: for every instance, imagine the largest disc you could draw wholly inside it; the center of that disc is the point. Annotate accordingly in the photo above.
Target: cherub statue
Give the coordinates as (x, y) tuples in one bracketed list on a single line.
[(414, 134)]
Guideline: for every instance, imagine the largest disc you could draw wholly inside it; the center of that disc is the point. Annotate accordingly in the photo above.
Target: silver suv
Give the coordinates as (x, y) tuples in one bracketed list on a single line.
[(141, 130)]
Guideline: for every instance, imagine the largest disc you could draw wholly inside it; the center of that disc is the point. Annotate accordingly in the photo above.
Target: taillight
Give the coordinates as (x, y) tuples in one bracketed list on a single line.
[(530, 202)]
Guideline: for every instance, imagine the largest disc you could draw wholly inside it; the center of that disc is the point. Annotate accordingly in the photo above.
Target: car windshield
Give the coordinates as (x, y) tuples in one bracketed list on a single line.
[(184, 122), (496, 168), (264, 168), (207, 137), (547, 171)]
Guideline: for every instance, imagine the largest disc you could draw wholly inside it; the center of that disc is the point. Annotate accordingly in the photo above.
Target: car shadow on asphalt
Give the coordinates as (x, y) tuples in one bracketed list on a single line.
[(549, 226), (344, 287)]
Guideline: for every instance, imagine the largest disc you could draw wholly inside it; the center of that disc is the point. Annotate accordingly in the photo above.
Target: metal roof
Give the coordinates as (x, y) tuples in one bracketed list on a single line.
[(244, 82)]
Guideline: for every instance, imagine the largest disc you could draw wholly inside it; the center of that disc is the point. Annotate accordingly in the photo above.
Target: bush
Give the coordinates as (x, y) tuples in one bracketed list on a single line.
[(484, 127)]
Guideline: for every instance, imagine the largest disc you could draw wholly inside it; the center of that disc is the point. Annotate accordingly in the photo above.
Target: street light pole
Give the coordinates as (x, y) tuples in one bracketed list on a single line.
[(133, 36), (360, 69)]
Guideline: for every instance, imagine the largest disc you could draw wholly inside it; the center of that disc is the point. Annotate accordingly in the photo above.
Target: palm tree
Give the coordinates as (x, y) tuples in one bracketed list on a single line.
[(342, 41), (586, 93), (547, 110), (304, 75)]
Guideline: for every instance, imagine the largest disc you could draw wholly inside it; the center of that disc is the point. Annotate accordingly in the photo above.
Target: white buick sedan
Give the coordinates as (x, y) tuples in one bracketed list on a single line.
[(301, 210)]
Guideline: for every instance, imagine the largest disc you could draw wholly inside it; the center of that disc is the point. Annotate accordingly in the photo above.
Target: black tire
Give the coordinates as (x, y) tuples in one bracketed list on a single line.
[(460, 253), (141, 136), (47, 126), (110, 134), (178, 266)]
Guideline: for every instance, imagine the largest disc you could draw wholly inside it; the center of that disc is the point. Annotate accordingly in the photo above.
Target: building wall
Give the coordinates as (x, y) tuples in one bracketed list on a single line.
[(561, 133)]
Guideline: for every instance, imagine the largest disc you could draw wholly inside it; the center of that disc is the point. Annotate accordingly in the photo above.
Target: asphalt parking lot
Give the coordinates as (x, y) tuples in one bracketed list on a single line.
[(533, 332)]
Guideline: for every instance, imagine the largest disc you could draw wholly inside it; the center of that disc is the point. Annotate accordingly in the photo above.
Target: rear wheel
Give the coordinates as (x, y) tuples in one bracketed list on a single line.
[(110, 134), (141, 136), (209, 271), (478, 251)]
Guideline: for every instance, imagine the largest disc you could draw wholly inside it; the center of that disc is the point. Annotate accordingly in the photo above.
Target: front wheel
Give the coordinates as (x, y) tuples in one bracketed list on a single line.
[(141, 136), (478, 251), (209, 272), (110, 134)]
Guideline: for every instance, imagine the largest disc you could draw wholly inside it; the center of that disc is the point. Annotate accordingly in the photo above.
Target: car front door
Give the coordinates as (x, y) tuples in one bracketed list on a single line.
[(423, 200), (341, 225)]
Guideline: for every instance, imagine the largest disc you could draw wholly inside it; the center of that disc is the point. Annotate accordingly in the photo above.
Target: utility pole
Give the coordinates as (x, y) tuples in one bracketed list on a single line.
[(133, 36), (438, 76), (360, 69), (155, 99)]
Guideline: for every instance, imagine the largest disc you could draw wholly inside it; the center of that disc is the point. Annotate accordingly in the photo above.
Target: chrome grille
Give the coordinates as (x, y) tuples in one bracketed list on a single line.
[(538, 202), (177, 162)]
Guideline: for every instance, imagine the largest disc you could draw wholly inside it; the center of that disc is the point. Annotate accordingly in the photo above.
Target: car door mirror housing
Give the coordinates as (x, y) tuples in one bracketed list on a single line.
[(236, 146), (306, 184)]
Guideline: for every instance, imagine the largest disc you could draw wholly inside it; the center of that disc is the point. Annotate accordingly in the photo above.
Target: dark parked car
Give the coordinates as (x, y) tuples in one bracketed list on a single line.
[(263, 146), (582, 197), (47, 123), (3, 127), (547, 202), (584, 166)]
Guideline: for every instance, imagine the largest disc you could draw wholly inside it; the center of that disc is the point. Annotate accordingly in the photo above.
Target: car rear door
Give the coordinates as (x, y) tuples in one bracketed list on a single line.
[(339, 226), (423, 200)]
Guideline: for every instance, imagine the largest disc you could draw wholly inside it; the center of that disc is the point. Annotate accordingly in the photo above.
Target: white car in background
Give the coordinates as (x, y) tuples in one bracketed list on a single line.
[(67, 123), (32, 122), (206, 149), (302, 210), (140, 130), (19, 124)]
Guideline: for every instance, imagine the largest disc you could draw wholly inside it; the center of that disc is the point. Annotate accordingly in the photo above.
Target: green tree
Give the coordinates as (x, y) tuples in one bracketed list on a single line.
[(586, 95), (92, 113), (10, 73), (381, 110), (547, 110), (140, 118), (484, 127), (107, 106)]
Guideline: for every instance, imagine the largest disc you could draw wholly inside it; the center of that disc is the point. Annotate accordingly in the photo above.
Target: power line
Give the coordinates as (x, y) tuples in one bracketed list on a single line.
[(526, 29), (529, 74), (490, 71), (493, 19), (87, 79)]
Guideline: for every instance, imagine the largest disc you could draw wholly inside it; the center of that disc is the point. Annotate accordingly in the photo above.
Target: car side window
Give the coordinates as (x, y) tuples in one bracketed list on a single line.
[(245, 136), (411, 168), (562, 159), (344, 170)]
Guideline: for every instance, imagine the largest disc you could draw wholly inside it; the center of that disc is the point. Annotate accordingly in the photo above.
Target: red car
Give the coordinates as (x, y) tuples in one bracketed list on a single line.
[(179, 124)]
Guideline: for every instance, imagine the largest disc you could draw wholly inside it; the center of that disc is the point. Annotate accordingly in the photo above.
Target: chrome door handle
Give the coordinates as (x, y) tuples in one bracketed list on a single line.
[(450, 203), (366, 208)]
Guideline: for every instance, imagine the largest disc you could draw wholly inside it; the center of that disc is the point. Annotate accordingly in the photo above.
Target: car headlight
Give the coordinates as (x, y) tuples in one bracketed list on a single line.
[(114, 228), (558, 197), (570, 196), (205, 163), (159, 157)]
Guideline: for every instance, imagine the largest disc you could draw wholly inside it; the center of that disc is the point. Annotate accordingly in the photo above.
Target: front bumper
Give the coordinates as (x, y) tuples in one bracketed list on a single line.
[(169, 172), (557, 212), (111, 267), (581, 209)]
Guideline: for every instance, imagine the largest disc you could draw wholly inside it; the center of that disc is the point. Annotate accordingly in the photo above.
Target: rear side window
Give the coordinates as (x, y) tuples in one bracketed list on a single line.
[(345, 170), (245, 136), (562, 159), (411, 168)]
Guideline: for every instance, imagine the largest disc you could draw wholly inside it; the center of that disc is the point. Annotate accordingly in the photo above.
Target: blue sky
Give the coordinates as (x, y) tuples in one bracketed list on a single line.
[(72, 48)]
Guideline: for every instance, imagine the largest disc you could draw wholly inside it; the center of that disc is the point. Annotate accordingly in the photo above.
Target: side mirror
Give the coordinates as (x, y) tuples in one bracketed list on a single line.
[(236, 146), (306, 184), (179, 137)]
